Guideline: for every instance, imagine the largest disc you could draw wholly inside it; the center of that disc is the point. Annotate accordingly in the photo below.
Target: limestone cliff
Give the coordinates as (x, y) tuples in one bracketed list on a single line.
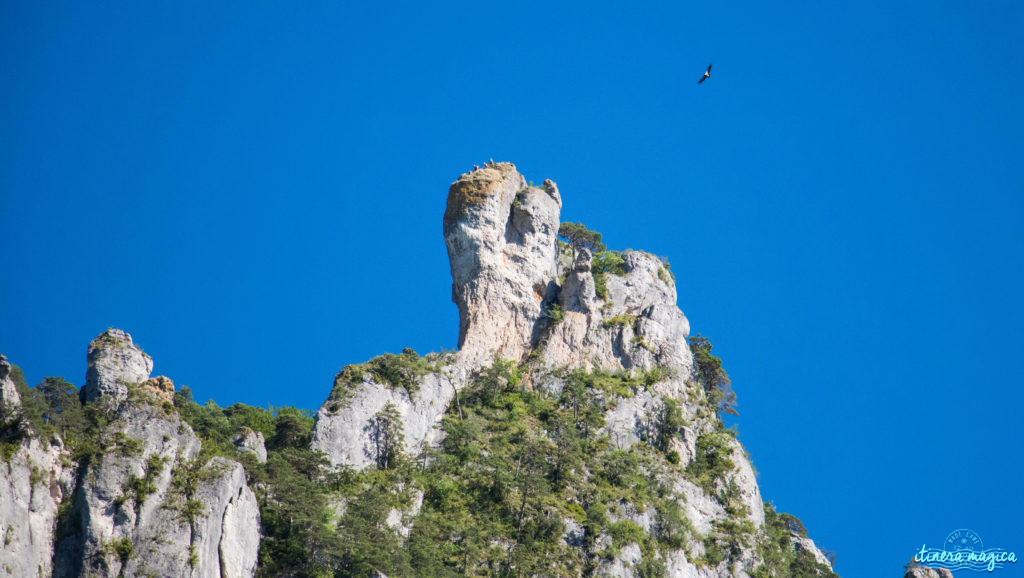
[(523, 296), (136, 504), (33, 483), (568, 435)]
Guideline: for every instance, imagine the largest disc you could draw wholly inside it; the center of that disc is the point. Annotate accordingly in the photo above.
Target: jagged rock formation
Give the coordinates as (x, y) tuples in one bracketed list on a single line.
[(501, 244), (32, 484), (508, 272), (150, 499), (139, 504), (637, 326), (344, 429), (251, 442), (114, 363)]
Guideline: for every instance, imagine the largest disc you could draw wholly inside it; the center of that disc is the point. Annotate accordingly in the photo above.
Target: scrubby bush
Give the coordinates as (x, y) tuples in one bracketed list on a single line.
[(708, 372)]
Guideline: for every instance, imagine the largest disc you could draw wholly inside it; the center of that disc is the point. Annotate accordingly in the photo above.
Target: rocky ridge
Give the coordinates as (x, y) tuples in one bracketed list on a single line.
[(150, 501), (509, 272), (127, 507)]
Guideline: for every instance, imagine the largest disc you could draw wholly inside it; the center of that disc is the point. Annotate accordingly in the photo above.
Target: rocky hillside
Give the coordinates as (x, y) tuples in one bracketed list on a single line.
[(575, 431)]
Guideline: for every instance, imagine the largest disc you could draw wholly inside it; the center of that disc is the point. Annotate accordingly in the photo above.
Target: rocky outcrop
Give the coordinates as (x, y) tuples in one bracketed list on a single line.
[(637, 325), (32, 485), (506, 265), (805, 543), (147, 500), (9, 398), (115, 362), (251, 442), (33, 482), (525, 296), (345, 429), (501, 236), (144, 504), (160, 388), (226, 536)]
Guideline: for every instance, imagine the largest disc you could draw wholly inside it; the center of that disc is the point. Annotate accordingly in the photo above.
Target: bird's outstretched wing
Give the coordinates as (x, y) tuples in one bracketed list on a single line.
[(702, 79), (709, 68)]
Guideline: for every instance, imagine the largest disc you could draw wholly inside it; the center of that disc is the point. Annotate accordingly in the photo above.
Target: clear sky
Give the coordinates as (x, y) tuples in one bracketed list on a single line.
[(254, 191)]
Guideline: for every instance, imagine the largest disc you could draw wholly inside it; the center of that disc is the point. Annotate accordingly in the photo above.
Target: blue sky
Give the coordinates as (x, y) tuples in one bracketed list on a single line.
[(255, 192)]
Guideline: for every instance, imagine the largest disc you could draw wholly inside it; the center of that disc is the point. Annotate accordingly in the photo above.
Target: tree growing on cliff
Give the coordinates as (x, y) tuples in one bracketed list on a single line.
[(708, 372), (388, 439), (580, 237)]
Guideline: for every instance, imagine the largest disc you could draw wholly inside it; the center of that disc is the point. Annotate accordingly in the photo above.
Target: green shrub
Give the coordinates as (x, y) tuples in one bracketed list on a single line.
[(554, 313), (403, 370), (121, 548), (712, 461), (610, 262), (603, 264), (618, 320), (710, 375), (778, 554)]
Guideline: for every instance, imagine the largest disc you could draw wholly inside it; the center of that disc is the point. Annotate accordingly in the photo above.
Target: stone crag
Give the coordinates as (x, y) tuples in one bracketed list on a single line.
[(147, 503), (509, 270), (124, 506)]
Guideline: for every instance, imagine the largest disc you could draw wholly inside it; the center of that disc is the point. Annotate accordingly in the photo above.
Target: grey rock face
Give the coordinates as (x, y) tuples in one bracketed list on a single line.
[(638, 326), (142, 444), (227, 536), (508, 271), (621, 565), (805, 543), (346, 434), (9, 398), (144, 505), (32, 485), (159, 526), (501, 244), (251, 442), (745, 479), (114, 363)]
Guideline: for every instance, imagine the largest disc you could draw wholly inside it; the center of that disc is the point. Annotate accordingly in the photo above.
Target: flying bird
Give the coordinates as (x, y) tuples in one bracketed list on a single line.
[(707, 75)]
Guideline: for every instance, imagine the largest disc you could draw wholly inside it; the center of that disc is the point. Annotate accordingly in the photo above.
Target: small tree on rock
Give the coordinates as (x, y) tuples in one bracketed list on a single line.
[(708, 372), (388, 438), (580, 237)]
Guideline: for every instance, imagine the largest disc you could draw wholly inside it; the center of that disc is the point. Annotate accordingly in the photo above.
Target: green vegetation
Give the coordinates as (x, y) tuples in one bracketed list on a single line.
[(727, 541), (121, 548), (603, 264), (780, 556), (618, 320), (712, 461), (51, 408), (515, 463), (666, 275), (603, 261), (388, 439), (403, 370), (554, 313), (710, 375), (519, 463), (292, 488), (670, 424), (580, 237), (138, 488), (608, 262)]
